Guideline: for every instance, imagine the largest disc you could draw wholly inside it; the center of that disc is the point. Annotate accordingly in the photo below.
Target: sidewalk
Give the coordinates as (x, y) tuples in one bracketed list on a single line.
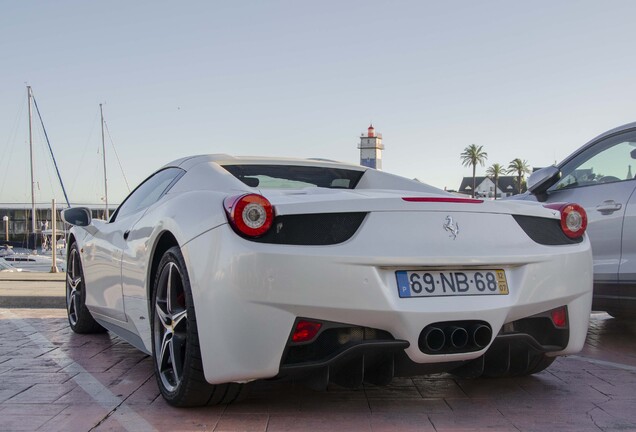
[(32, 290)]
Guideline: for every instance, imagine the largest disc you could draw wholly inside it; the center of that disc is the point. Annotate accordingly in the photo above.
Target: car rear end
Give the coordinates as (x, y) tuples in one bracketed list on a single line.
[(363, 285)]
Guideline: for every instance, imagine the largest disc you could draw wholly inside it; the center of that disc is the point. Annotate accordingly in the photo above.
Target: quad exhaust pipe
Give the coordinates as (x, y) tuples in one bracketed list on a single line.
[(455, 337)]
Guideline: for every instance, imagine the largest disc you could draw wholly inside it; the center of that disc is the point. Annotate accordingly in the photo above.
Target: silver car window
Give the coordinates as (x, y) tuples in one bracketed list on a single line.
[(608, 161)]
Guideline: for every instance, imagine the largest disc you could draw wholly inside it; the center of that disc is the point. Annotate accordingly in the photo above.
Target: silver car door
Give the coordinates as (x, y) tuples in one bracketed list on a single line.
[(600, 179)]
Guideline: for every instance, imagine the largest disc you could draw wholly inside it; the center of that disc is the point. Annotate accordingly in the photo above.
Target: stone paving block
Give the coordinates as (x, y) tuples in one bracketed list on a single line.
[(340, 406), (144, 395), (24, 422), (31, 378), (165, 417), (42, 394), (8, 392), (392, 423), (611, 422), (565, 391), (316, 423), (490, 388), (616, 377), (52, 409), (243, 422), (388, 392), (74, 418), (552, 421), (440, 387), (573, 405), (624, 410), (408, 406), (471, 421)]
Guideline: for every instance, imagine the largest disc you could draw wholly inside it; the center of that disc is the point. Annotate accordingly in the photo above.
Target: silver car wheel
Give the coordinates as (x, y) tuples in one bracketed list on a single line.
[(73, 286), (170, 327)]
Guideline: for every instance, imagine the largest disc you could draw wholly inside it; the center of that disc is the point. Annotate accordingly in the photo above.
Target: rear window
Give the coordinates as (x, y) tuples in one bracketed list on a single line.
[(294, 177)]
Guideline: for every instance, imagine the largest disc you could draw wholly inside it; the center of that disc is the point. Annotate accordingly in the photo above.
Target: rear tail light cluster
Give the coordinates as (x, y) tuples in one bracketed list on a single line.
[(251, 215), (573, 219)]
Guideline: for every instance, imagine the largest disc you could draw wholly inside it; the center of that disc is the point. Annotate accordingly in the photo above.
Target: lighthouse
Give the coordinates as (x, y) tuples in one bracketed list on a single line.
[(371, 149)]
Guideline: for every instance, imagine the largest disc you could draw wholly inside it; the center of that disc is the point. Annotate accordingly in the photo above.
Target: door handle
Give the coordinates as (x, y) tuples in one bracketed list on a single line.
[(126, 234), (608, 207)]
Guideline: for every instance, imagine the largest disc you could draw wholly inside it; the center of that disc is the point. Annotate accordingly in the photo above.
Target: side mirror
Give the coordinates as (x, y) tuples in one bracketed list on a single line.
[(540, 181), (77, 216)]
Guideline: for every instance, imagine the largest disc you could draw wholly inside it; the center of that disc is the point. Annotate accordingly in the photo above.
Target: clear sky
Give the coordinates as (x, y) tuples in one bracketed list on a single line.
[(530, 80)]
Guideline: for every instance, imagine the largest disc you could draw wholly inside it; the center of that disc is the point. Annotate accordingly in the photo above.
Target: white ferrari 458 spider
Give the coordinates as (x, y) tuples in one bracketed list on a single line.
[(233, 269)]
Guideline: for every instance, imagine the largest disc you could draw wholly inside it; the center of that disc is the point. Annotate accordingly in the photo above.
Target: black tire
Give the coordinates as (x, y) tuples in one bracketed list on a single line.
[(79, 318), (175, 336)]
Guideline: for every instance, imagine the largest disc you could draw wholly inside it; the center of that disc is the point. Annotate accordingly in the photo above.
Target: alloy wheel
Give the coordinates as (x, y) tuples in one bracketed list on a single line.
[(73, 286), (170, 326)]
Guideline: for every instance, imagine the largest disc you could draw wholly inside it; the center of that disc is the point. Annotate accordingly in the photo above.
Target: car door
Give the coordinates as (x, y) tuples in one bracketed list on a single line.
[(102, 266), (104, 251), (601, 179), (137, 249)]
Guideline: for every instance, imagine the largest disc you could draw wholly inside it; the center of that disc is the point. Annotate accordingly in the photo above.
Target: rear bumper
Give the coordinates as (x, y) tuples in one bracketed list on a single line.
[(350, 356)]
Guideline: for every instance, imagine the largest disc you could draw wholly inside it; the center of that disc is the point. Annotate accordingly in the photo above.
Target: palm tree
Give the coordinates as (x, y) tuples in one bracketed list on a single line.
[(471, 156), (494, 171), (519, 167)]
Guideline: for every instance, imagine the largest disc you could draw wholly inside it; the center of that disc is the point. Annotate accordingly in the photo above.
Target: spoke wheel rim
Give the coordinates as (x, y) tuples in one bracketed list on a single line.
[(73, 286), (170, 327)]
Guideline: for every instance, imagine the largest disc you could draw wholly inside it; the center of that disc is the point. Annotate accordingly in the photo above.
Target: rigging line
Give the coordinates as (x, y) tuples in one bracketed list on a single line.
[(51, 150), (117, 156)]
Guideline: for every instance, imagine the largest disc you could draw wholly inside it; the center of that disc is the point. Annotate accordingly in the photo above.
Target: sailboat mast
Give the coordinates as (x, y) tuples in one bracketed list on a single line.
[(101, 112), (30, 97)]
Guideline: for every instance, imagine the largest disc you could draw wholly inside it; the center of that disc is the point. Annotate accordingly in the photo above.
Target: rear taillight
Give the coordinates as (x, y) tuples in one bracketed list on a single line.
[(573, 219), (250, 214)]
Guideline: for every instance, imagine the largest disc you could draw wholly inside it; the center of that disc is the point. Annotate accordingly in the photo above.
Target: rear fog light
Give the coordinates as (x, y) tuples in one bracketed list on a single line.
[(305, 331)]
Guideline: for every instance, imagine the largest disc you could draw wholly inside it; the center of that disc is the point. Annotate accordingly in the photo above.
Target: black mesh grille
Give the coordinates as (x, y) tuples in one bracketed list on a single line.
[(313, 229), (545, 231)]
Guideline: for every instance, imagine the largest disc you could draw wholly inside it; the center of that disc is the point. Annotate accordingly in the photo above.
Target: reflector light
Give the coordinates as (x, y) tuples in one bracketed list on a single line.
[(573, 218), (250, 214), (443, 200), (305, 331), (559, 317)]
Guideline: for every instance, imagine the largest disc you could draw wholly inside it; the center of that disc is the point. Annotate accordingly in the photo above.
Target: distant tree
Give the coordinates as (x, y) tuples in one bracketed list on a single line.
[(520, 168), (495, 171), (471, 156)]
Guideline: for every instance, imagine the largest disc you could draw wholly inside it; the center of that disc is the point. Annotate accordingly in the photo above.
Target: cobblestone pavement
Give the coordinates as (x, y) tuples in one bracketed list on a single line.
[(54, 380)]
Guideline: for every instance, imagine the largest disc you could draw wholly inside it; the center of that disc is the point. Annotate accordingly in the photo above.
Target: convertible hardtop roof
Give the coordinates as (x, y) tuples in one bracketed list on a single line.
[(224, 159)]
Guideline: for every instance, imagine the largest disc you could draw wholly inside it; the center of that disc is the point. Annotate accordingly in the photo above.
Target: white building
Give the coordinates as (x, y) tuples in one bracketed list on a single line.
[(485, 187)]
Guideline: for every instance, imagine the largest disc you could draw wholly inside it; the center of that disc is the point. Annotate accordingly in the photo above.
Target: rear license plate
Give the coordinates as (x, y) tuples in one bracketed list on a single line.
[(451, 283)]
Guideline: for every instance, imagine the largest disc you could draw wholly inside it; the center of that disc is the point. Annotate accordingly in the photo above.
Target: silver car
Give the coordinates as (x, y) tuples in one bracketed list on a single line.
[(600, 177)]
